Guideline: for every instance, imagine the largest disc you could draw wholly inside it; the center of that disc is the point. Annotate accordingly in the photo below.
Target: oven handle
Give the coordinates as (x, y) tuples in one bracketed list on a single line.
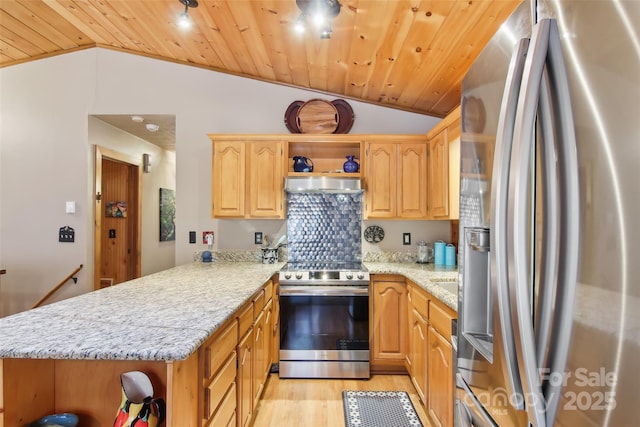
[(337, 291)]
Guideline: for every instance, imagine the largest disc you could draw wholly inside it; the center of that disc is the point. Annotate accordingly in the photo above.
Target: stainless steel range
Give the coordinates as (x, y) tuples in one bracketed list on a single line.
[(324, 320)]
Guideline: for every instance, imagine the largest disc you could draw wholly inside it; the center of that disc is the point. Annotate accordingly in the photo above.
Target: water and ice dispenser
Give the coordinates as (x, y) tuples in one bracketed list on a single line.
[(476, 319)]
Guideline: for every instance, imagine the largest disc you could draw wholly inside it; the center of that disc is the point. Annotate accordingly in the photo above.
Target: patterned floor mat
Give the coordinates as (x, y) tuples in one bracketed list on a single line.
[(379, 409)]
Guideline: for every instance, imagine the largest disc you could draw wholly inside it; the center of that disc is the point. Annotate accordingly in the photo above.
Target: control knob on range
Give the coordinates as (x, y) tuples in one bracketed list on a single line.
[(298, 275), (360, 276), (349, 276), (287, 276)]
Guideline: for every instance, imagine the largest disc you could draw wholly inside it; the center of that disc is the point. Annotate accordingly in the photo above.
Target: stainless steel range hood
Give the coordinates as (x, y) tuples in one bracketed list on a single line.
[(325, 184)]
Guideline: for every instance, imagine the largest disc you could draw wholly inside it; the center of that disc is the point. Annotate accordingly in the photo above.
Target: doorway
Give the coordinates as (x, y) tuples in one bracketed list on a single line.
[(117, 217)]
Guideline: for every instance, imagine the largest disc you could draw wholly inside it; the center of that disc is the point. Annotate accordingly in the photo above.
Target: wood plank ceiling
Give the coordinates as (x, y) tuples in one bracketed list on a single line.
[(405, 54)]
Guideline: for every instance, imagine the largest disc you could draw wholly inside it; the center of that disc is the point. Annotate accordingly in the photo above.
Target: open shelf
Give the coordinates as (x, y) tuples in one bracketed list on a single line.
[(330, 174), (328, 157)]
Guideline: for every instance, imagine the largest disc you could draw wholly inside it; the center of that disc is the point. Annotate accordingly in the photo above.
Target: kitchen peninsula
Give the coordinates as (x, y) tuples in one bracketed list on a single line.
[(68, 356)]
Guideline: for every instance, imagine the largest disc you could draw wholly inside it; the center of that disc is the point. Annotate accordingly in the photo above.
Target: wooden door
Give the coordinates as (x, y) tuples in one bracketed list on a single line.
[(440, 379), (266, 183), (412, 180), (380, 197), (119, 218), (228, 179), (389, 326), (439, 176)]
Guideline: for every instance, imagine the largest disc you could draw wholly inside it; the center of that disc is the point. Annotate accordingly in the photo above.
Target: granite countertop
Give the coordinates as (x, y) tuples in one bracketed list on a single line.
[(164, 316)]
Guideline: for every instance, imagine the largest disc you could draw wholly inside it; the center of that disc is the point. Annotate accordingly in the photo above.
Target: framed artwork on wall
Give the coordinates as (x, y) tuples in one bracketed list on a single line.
[(167, 215), (116, 210)]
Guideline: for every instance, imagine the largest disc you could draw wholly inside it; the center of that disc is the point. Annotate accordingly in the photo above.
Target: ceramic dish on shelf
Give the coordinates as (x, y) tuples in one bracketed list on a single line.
[(62, 420)]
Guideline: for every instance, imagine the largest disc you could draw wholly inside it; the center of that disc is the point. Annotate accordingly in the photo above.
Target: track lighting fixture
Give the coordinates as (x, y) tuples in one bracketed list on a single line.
[(318, 12), (184, 21)]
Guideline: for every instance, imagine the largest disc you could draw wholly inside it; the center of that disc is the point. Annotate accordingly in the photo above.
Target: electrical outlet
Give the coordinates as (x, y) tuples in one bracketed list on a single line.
[(257, 238), (406, 238), (207, 237)]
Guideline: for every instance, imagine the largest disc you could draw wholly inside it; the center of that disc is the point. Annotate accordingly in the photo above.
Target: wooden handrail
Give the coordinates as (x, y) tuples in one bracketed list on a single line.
[(59, 285)]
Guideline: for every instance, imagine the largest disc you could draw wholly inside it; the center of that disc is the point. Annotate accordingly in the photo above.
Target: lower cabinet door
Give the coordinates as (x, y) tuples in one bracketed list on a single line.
[(244, 379), (440, 379), (418, 348)]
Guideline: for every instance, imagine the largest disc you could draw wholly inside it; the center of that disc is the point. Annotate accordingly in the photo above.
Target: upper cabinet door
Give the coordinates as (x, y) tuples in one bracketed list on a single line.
[(439, 176), (228, 179), (412, 180), (381, 180), (266, 182)]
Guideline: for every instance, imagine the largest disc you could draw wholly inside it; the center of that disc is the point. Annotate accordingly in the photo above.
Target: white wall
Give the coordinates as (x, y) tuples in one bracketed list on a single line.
[(156, 255), (46, 155)]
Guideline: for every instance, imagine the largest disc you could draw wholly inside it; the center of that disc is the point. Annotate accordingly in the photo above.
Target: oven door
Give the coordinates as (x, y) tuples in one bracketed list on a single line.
[(324, 332)]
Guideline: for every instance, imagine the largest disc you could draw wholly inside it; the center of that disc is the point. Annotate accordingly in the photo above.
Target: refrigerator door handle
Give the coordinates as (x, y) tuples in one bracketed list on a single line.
[(569, 229), (499, 205), (518, 218), (549, 241)]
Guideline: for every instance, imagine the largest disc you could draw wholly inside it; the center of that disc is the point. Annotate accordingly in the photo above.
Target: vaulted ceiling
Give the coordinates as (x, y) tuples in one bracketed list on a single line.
[(405, 54)]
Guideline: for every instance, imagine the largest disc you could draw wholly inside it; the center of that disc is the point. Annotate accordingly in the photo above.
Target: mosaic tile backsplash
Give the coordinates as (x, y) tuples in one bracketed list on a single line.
[(324, 226)]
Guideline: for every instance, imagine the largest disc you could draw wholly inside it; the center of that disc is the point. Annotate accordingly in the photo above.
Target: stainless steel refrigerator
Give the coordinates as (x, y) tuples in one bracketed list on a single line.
[(548, 327)]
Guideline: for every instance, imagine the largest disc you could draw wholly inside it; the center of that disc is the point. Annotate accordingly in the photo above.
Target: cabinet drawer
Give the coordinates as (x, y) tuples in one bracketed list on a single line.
[(226, 414), (258, 304), (440, 319), (218, 350), (268, 291), (419, 300), (245, 319), (214, 393)]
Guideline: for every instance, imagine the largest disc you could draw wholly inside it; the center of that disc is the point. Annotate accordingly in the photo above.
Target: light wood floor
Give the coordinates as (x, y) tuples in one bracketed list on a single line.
[(318, 402)]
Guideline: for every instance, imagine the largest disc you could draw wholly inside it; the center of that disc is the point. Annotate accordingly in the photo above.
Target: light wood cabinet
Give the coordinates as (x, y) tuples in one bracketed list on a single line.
[(440, 379), (218, 365), (381, 180), (254, 352), (245, 379), (430, 355), (247, 179), (388, 328), (439, 176), (217, 385), (259, 357), (440, 384), (396, 177), (228, 180), (444, 168), (417, 358)]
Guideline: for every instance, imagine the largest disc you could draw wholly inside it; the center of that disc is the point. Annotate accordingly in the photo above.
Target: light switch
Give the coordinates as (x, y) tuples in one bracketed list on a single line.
[(70, 207), (406, 238)]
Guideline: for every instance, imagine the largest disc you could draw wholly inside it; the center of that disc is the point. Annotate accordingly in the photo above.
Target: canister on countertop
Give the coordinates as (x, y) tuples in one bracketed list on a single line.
[(425, 252), (439, 252), (450, 255), (269, 255)]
